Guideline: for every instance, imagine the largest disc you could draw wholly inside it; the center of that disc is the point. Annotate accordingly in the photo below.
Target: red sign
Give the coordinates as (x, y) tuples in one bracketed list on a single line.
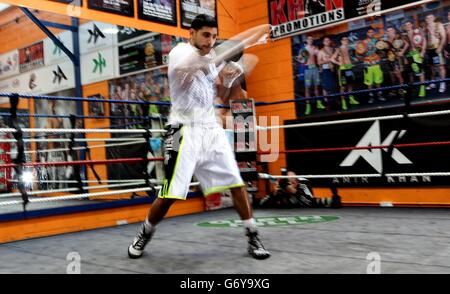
[(31, 57)]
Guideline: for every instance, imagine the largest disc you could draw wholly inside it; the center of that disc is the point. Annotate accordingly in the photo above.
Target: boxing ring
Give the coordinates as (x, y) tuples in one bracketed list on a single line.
[(408, 240)]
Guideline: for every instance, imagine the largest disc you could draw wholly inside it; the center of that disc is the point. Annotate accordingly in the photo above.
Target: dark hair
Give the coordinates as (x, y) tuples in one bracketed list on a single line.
[(203, 20)]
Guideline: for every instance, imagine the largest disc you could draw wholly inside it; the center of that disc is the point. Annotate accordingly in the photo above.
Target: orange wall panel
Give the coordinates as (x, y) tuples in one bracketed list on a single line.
[(48, 226)]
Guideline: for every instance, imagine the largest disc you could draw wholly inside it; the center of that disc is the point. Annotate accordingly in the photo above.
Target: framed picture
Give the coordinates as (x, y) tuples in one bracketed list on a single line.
[(122, 7), (191, 8), (163, 11), (96, 108)]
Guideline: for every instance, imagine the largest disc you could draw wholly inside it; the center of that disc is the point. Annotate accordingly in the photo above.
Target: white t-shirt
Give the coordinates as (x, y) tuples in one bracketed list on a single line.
[(192, 81)]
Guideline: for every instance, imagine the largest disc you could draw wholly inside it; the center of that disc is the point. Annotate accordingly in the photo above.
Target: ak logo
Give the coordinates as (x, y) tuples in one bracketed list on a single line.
[(58, 76), (94, 34), (375, 157), (99, 64), (272, 221)]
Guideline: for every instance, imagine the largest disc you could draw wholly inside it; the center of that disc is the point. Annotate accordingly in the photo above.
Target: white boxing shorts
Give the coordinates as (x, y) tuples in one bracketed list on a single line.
[(200, 151)]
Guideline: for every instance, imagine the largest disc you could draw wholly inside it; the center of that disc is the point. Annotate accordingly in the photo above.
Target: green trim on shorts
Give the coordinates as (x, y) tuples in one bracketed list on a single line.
[(221, 189), (166, 189), (172, 197)]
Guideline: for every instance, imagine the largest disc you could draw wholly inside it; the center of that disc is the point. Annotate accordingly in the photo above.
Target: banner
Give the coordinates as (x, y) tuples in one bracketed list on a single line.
[(164, 11), (97, 35), (44, 80), (52, 53), (31, 57), (292, 17), (413, 159), (98, 66), (122, 7), (9, 64), (50, 79), (191, 8), (140, 55), (12, 85)]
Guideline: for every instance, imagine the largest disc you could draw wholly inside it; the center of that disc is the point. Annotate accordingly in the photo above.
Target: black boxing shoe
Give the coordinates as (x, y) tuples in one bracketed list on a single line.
[(136, 249), (255, 247)]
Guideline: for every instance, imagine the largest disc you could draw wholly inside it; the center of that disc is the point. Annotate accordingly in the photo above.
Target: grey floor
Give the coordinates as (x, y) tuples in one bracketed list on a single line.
[(407, 241)]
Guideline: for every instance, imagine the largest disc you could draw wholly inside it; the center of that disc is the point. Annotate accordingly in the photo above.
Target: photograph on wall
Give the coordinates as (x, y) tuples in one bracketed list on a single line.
[(31, 57), (163, 11), (404, 46), (191, 8), (8, 151), (96, 108), (55, 108), (122, 7)]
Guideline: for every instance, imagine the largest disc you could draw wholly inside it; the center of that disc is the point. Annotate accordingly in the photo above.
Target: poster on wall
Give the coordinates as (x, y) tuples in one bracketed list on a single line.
[(9, 64), (31, 57), (374, 53), (8, 151), (122, 7), (191, 8), (151, 86), (128, 33), (96, 108), (163, 11), (289, 17), (48, 175), (140, 55)]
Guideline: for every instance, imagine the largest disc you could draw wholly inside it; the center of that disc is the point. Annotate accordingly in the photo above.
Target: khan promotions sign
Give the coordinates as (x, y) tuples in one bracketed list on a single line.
[(290, 17)]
